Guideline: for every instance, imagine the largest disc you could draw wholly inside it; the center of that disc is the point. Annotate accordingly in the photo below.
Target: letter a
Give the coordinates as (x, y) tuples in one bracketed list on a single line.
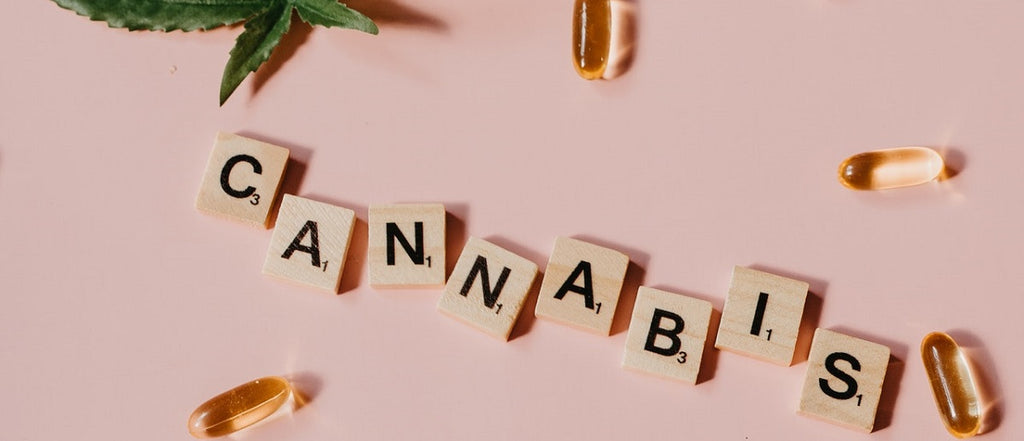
[(587, 290), (314, 243)]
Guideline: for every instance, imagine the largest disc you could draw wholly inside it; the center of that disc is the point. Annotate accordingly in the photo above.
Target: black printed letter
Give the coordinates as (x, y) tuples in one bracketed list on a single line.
[(587, 289), (762, 303), (314, 244), (490, 294), (830, 366), (672, 334), (393, 233), (225, 173)]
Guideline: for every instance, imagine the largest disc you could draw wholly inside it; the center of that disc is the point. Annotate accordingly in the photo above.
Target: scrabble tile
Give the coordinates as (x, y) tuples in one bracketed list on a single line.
[(310, 243), (407, 245), (581, 285), (667, 334), (762, 314), (488, 287), (242, 179), (844, 380)]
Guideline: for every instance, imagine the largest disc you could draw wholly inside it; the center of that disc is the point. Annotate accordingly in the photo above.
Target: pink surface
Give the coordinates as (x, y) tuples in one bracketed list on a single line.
[(123, 308)]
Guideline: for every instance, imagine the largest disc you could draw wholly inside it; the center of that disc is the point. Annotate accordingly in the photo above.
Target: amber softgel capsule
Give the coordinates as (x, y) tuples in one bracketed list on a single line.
[(952, 383), (240, 407), (591, 37), (891, 168)]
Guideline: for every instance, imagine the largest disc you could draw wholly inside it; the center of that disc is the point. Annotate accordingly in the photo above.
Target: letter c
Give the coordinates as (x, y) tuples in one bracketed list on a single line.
[(225, 173)]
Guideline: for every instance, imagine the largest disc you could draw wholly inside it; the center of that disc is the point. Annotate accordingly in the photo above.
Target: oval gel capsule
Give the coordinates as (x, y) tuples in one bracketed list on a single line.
[(891, 168), (239, 408), (591, 37), (952, 383)]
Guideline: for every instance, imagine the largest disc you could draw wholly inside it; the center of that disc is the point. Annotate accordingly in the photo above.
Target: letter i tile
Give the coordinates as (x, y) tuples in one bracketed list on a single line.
[(762, 315)]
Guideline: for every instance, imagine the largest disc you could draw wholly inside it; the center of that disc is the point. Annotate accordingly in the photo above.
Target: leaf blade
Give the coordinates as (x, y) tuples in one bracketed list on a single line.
[(253, 47), (330, 13), (165, 15)]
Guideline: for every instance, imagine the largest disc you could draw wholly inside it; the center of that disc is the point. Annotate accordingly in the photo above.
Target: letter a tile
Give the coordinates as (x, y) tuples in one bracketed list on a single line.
[(242, 179), (844, 380), (762, 314), (488, 287), (310, 243), (407, 245), (581, 285), (667, 335)]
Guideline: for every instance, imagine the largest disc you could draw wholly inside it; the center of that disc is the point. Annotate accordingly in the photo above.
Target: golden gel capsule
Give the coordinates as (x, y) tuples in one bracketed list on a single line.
[(239, 408), (952, 384), (891, 168), (591, 37)]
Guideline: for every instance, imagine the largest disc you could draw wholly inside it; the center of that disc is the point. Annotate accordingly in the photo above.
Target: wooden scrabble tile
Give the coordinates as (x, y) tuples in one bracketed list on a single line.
[(667, 334), (488, 287), (762, 314), (310, 243), (242, 179), (581, 285), (844, 380), (407, 245)]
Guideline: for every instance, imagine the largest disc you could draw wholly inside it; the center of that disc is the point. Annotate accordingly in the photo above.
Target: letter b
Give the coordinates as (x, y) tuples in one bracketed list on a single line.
[(672, 333)]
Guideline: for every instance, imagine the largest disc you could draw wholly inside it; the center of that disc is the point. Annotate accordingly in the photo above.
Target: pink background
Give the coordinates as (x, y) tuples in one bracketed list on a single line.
[(123, 308)]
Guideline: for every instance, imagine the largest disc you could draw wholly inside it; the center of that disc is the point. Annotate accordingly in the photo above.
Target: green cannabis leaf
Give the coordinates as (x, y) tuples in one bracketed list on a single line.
[(253, 47), (266, 21)]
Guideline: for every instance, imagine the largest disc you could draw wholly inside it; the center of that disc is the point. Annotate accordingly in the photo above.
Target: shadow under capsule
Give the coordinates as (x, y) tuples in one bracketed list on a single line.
[(955, 162)]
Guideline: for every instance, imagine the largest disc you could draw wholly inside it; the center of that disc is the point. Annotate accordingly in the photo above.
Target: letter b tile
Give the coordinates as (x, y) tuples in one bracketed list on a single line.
[(667, 334)]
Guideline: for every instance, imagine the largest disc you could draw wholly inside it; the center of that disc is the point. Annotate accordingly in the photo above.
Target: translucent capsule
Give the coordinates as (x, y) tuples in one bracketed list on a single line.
[(952, 383), (240, 407), (591, 37), (891, 168)]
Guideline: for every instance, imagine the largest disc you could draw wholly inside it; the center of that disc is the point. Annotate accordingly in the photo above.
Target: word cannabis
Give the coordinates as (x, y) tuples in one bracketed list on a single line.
[(581, 286)]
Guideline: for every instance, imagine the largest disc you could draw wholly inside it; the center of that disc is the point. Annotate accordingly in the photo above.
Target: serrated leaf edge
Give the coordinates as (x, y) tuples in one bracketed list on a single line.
[(120, 23), (303, 10)]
